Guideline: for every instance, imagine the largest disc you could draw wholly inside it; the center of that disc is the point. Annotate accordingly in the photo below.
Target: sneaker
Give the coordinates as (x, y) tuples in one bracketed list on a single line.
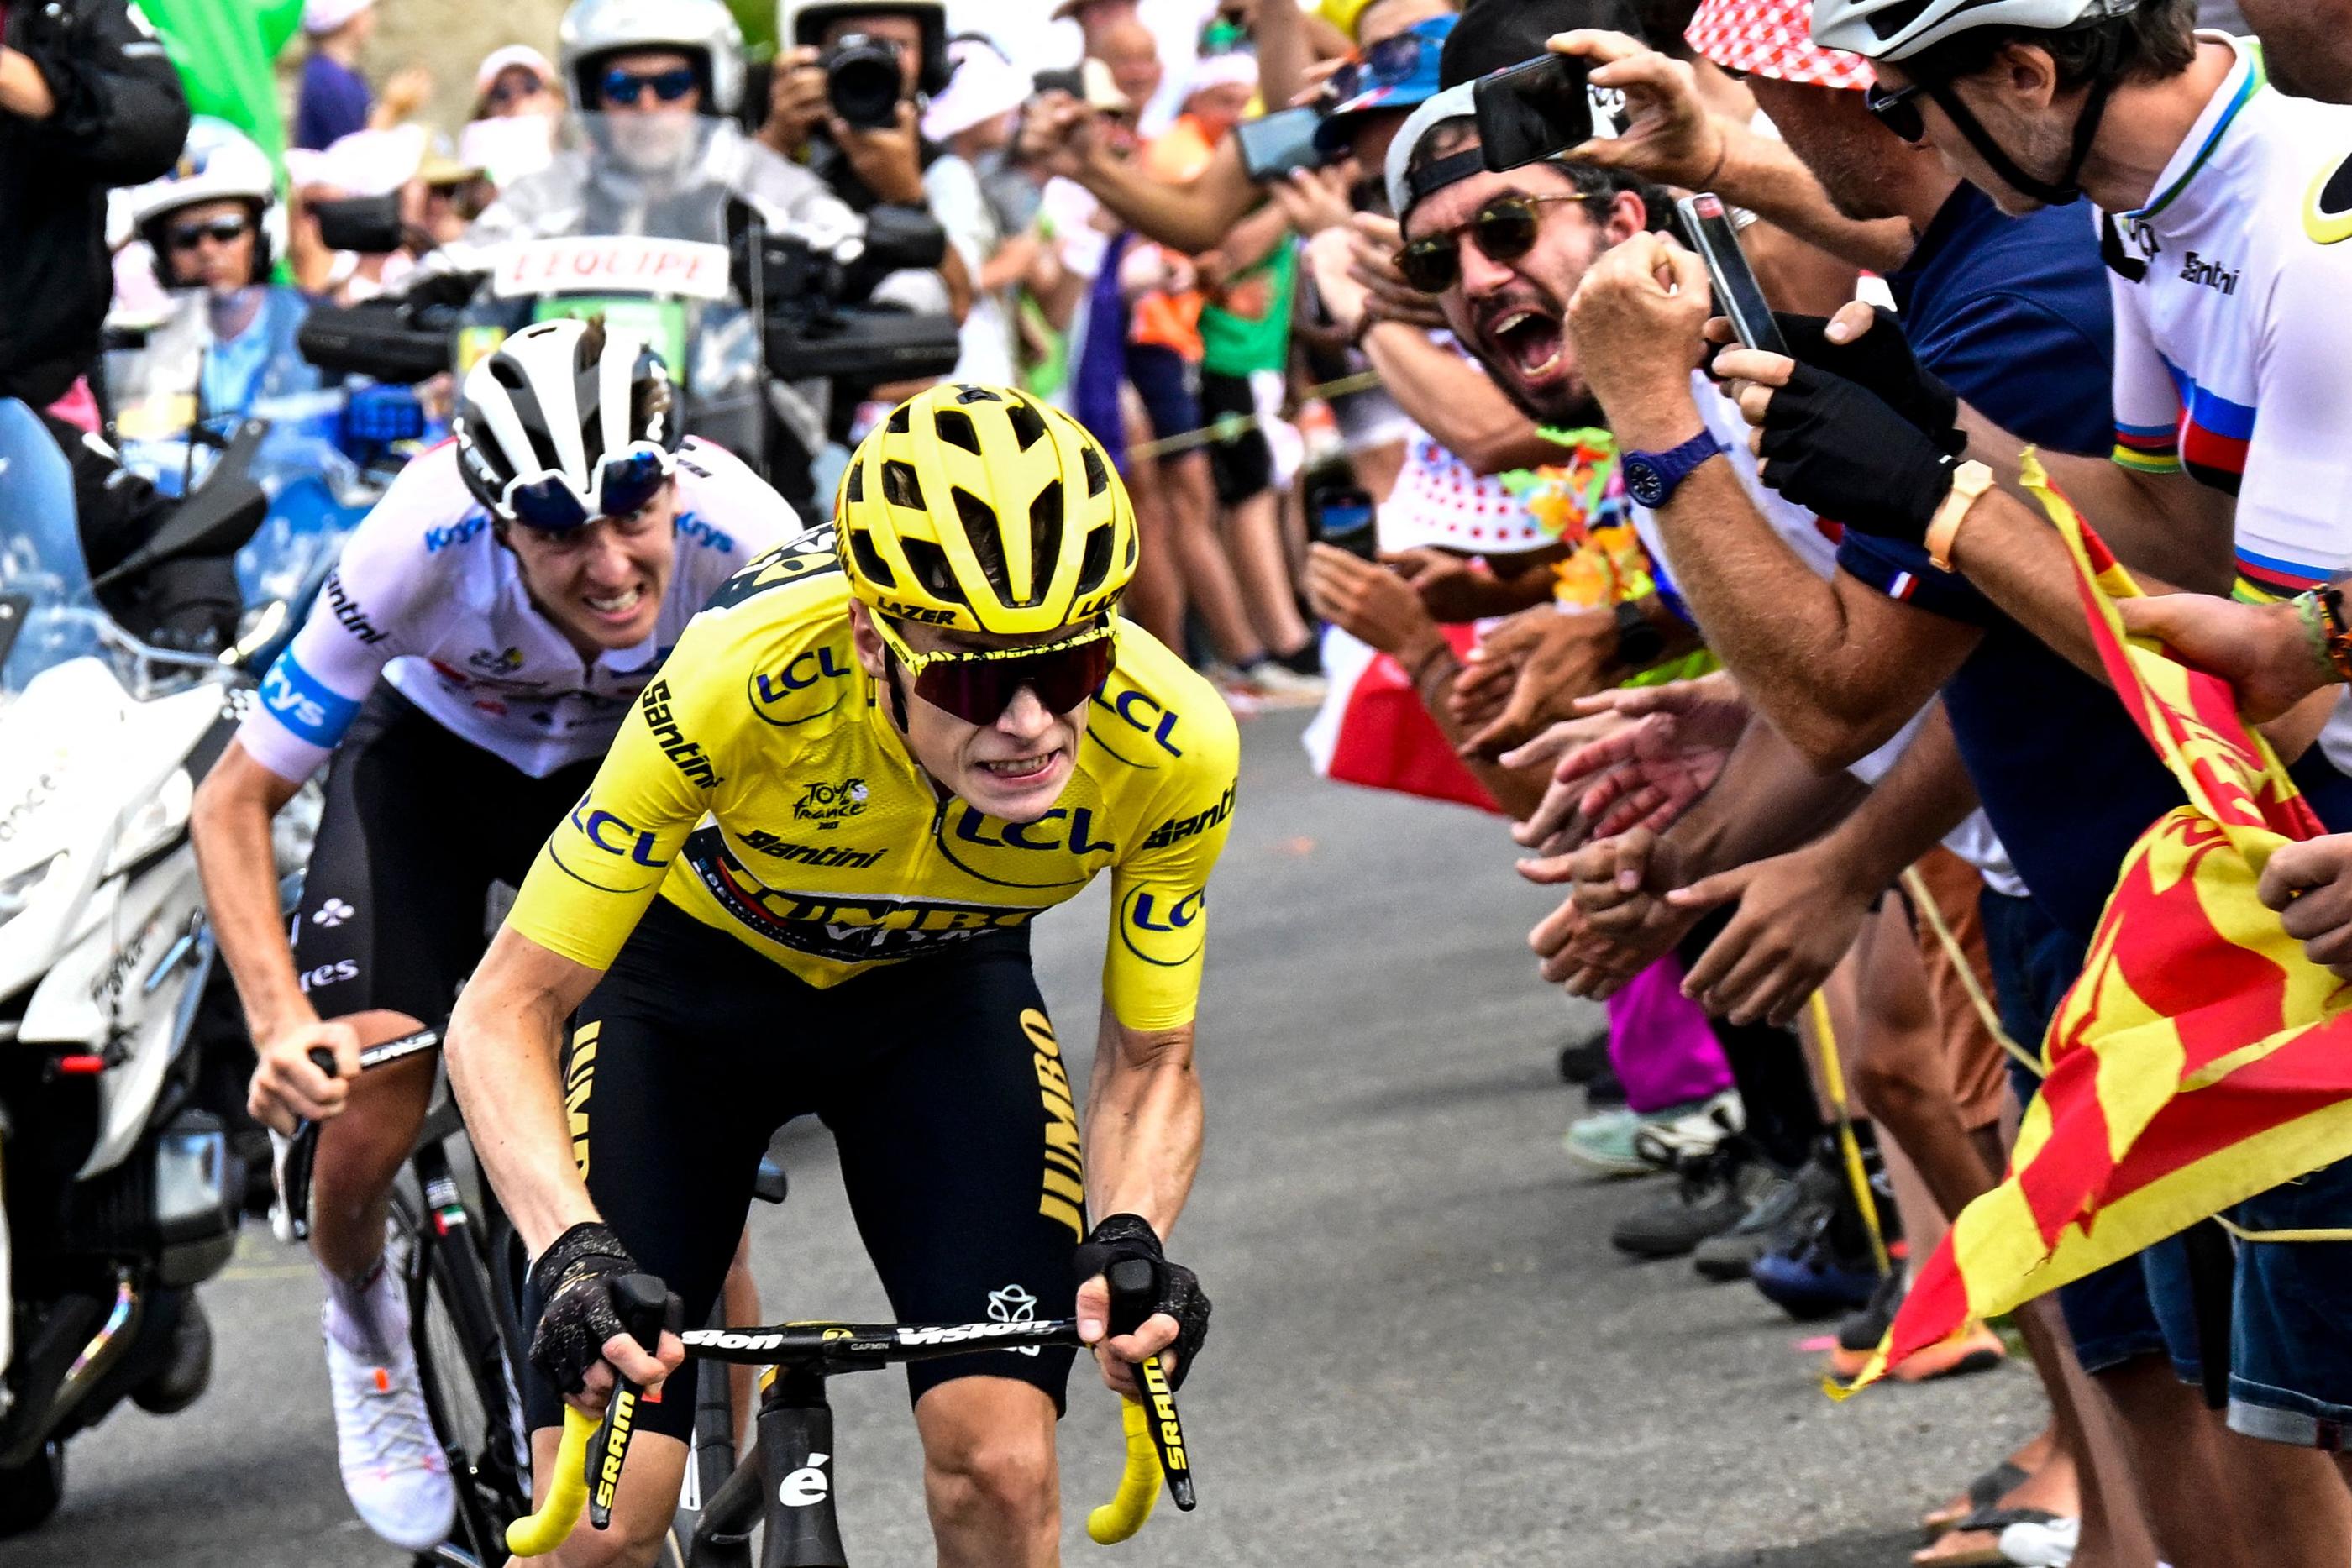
[(1605, 1090), (394, 1466), (1605, 1140), (1712, 1192), (1668, 1138), (1782, 1219), (1276, 684), (1585, 1058), (1832, 1269)]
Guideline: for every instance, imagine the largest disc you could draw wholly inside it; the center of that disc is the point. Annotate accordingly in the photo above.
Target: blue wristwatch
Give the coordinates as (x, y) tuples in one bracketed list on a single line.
[(1653, 477)]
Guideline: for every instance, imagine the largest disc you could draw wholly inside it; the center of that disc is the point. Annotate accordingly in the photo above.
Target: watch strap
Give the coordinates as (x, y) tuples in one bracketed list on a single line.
[(1969, 482), (1673, 467)]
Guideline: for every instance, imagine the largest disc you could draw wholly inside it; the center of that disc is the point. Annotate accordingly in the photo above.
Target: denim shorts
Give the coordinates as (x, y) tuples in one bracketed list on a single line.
[(2291, 1315)]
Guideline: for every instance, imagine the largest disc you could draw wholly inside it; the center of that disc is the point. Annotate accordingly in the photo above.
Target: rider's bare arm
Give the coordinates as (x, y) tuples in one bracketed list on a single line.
[(1143, 1146), (230, 825), (504, 1051)]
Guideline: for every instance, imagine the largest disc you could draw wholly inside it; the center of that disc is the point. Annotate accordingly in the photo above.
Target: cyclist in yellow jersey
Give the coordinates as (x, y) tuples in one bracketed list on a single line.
[(802, 883)]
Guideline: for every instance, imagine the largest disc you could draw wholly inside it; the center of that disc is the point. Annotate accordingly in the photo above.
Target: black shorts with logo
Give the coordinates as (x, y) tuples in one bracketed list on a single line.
[(419, 825), (939, 1079)]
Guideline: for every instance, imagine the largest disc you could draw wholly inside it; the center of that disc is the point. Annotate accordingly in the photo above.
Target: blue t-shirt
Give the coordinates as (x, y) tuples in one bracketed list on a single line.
[(334, 102), (2013, 314)]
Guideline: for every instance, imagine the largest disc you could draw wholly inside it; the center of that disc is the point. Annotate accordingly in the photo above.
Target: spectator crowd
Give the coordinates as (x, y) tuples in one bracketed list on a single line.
[(1835, 790)]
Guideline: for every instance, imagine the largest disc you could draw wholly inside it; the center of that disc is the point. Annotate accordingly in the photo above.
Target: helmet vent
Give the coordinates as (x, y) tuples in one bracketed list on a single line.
[(901, 422), (955, 429), (1028, 428), (980, 531), (932, 571), (1098, 475), (869, 559), (899, 485), (1044, 538), (1096, 567), (856, 490)]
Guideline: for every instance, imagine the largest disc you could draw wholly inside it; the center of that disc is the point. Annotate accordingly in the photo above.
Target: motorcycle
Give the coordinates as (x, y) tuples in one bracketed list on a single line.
[(762, 322), (120, 1193)]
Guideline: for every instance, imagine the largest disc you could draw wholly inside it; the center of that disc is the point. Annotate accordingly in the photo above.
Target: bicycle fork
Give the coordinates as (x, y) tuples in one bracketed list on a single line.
[(792, 1486)]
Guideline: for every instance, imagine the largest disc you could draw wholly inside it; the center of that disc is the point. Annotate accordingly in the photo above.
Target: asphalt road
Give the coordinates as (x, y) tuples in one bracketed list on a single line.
[(1424, 1350)]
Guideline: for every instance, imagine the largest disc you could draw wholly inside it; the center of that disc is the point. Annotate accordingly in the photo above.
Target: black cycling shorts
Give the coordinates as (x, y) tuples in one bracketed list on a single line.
[(418, 826), (1242, 464), (943, 1087)]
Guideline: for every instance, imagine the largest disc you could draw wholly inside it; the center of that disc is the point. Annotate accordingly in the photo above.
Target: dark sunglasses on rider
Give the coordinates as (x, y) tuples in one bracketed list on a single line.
[(220, 231), (625, 483), (625, 88), (978, 685), (1503, 230), (1897, 110)]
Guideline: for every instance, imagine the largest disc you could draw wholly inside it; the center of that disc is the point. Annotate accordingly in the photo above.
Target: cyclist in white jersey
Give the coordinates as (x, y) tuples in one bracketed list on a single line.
[(462, 674)]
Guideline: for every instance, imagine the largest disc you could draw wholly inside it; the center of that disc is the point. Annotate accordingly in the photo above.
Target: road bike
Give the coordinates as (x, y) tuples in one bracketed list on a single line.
[(788, 1483), (463, 1263)]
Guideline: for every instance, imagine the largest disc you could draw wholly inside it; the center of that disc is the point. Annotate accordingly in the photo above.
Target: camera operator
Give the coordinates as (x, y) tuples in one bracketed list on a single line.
[(87, 102), (835, 105)]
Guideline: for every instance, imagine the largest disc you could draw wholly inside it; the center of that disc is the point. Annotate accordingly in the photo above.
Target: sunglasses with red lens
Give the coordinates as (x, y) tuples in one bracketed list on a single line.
[(977, 685)]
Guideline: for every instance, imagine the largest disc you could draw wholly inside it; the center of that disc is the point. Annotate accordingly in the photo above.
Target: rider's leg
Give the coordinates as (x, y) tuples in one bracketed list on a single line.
[(642, 1510), (989, 1473), (360, 1152), (739, 1298)]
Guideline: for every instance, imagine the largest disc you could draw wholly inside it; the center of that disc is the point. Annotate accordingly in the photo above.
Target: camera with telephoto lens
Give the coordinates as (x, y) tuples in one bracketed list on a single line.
[(862, 81), (813, 292)]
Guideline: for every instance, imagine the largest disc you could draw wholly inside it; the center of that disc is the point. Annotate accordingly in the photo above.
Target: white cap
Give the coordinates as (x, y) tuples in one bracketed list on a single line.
[(373, 162), (514, 56), (326, 15), (983, 87), (1235, 69), (1460, 102)]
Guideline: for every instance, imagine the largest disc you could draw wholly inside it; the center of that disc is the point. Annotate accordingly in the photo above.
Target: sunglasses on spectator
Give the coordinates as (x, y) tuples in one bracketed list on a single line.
[(978, 685), (1898, 110), (507, 92), (1388, 63), (1503, 230), (220, 231), (625, 88)]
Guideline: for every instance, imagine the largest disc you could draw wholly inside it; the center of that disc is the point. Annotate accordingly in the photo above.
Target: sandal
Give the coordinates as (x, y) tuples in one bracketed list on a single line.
[(2038, 1532), (1983, 1492)]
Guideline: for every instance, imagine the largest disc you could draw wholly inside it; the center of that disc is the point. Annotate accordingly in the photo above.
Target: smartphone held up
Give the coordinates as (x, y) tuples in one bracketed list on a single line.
[(1706, 226)]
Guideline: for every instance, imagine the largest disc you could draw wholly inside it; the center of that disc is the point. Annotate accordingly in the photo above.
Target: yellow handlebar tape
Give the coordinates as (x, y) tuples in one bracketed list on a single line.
[(1138, 1487), (537, 1534)]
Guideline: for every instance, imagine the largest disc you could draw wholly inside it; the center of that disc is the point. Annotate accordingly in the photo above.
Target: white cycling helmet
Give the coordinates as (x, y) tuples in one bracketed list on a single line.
[(702, 29), (1894, 29), (800, 23), (567, 422), (218, 163)]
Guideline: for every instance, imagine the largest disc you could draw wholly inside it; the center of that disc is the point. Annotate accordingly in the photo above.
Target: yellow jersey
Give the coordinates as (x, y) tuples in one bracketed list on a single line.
[(760, 786)]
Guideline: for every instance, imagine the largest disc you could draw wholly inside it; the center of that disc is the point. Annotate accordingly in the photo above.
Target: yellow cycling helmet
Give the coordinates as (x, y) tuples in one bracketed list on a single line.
[(982, 509)]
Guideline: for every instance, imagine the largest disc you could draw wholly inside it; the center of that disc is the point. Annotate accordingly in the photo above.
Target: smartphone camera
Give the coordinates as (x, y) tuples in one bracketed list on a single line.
[(862, 81), (1342, 516)]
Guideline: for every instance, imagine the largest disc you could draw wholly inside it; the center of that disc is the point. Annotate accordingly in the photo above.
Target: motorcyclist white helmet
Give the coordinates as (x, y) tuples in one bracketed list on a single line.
[(218, 163), (802, 22), (1896, 29), (567, 422), (704, 30)]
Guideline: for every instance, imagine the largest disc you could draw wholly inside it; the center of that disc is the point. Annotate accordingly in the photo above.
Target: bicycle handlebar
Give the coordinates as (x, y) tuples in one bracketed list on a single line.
[(833, 1348)]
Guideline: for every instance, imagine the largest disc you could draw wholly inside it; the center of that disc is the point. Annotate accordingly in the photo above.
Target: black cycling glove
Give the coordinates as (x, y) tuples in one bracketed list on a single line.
[(1179, 1293), (572, 1280), (1847, 457), (1882, 363)]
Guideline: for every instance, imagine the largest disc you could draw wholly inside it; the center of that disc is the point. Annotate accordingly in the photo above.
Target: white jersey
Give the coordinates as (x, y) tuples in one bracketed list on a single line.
[(2233, 351), (425, 595), (1973, 841), (2233, 347)]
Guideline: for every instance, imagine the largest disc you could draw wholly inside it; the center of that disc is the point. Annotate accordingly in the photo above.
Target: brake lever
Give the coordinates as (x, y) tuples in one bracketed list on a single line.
[(1134, 1288), (645, 1308)]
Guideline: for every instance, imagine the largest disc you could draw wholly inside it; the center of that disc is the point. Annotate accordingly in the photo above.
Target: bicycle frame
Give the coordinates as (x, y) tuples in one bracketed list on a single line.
[(786, 1480)]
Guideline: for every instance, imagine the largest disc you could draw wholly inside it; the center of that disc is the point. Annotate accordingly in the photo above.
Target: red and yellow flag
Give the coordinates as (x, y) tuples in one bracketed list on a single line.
[(2200, 1058)]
